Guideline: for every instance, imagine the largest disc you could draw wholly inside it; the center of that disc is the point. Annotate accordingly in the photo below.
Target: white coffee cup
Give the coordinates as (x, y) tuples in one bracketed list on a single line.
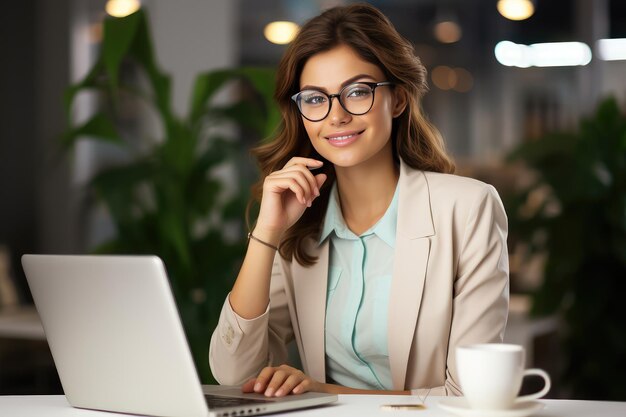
[(491, 375)]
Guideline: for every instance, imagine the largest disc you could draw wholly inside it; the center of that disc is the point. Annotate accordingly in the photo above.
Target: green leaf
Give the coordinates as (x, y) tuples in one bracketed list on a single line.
[(263, 81), (99, 127), (113, 246), (177, 152), (244, 114), (117, 188), (118, 36), (537, 151), (90, 81), (202, 196), (172, 230), (258, 112), (219, 150), (142, 51), (203, 90)]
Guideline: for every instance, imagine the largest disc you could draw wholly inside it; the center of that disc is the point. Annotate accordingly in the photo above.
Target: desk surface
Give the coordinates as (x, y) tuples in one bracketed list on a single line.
[(348, 405)]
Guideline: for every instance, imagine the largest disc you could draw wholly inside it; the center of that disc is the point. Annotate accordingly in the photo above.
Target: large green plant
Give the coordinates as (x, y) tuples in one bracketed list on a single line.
[(165, 200), (581, 226)]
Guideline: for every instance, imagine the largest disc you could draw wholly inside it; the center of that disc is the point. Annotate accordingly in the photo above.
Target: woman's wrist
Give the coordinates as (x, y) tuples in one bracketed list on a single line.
[(267, 236), (262, 242), (340, 389)]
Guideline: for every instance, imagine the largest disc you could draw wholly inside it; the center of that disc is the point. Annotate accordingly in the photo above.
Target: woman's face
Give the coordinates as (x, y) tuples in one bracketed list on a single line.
[(342, 138)]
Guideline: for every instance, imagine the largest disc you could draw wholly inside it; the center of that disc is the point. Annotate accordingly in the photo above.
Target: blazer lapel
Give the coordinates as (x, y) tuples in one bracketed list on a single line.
[(310, 290), (414, 226)]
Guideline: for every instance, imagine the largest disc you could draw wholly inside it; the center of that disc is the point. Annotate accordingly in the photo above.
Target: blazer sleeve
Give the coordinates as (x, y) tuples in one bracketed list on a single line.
[(481, 286), (240, 348)]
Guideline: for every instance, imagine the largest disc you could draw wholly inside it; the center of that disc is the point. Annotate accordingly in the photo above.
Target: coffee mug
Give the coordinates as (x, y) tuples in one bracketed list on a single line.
[(491, 375)]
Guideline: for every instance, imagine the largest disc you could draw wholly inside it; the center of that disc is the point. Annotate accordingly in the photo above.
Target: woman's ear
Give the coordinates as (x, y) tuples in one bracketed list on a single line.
[(400, 101)]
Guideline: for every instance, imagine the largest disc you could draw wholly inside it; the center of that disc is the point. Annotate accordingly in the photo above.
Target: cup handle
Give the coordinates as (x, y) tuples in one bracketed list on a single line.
[(544, 391)]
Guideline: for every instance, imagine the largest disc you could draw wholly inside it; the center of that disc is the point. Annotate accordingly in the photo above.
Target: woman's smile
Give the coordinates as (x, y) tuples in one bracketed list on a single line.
[(343, 138)]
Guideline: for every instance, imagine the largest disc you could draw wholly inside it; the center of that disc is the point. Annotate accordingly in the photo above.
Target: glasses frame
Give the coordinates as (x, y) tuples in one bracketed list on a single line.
[(372, 85)]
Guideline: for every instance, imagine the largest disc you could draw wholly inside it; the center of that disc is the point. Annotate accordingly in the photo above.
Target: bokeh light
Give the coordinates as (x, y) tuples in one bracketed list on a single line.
[(122, 8), (281, 32)]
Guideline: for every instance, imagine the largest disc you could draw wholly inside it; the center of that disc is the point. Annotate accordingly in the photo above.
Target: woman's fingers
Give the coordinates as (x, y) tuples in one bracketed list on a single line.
[(279, 381), (307, 162), (304, 386), (263, 379), (320, 179), (305, 165), (289, 384), (248, 386), (281, 374), (295, 181), (279, 183), (299, 180)]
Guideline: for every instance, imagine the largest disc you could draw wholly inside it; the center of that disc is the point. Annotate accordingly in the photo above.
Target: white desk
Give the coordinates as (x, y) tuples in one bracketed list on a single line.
[(348, 406)]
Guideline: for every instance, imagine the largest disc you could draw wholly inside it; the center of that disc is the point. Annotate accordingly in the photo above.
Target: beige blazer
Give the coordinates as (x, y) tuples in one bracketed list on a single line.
[(450, 287)]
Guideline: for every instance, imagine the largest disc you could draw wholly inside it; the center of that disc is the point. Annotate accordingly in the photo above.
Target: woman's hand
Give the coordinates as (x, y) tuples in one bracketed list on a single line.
[(284, 380), (280, 381), (286, 194)]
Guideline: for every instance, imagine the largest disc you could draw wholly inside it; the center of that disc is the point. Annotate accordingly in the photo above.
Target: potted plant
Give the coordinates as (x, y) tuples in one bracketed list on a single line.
[(580, 224), (163, 197)]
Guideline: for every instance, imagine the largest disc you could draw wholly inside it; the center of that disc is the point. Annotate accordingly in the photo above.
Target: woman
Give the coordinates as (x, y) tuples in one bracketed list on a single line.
[(366, 250)]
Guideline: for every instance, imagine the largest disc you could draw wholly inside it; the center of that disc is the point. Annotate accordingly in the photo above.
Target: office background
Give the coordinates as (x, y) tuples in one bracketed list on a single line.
[(483, 108)]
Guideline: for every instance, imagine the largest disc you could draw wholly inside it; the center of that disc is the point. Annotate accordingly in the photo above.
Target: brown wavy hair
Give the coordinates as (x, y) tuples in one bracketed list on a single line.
[(415, 140)]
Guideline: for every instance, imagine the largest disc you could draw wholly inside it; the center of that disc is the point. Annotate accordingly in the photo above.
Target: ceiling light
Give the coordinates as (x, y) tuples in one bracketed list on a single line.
[(464, 80), (560, 54), (281, 32), (122, 8), (447, 31), (611, 49), (554, 54), (447, 78), (512, 55), (443, 77), (516, 9)]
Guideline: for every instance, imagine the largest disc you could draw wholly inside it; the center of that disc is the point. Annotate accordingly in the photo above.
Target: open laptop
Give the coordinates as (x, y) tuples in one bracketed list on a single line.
[(118, 343)]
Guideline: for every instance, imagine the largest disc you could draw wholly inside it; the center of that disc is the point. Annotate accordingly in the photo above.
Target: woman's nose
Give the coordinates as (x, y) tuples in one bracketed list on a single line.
[(338, 115)]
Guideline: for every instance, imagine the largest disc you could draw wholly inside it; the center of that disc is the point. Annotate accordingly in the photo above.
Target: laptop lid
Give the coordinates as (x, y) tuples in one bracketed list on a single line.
[(119, 345), (115, 335)]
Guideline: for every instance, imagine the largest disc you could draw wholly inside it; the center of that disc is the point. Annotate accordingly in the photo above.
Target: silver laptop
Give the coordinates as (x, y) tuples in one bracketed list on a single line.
[(118, 343)]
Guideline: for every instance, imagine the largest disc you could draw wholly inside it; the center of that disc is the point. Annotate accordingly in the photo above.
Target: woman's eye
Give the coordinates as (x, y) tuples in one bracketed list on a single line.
[(359, 92), (313, 99)]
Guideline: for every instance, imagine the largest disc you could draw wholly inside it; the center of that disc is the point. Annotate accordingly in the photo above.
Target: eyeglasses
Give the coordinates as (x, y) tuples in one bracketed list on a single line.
[(356, 99)]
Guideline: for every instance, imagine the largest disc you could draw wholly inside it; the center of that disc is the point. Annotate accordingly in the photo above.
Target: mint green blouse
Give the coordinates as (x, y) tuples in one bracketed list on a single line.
[(357, 300)]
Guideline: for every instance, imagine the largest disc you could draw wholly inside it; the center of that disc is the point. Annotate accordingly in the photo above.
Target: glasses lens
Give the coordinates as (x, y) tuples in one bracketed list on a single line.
[(313, 104), (357, 98)]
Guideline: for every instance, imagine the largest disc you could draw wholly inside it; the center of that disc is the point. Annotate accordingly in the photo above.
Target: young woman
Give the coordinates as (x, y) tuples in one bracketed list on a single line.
[(366, 250)]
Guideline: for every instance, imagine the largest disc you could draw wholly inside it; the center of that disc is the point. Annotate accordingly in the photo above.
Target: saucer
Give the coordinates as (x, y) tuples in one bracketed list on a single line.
[(459, 407)]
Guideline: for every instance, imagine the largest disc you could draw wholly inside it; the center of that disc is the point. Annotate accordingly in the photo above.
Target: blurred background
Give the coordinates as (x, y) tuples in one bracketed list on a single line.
[(530, 96)]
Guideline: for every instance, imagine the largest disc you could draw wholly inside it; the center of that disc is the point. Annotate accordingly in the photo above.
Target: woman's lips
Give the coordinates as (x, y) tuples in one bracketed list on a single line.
[(343, 138)]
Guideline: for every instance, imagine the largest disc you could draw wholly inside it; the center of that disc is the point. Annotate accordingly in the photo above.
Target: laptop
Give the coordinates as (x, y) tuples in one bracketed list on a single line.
[(118, 343)]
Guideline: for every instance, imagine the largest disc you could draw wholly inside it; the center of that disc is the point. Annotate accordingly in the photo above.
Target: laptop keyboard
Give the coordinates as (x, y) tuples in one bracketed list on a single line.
[(216, 401)]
